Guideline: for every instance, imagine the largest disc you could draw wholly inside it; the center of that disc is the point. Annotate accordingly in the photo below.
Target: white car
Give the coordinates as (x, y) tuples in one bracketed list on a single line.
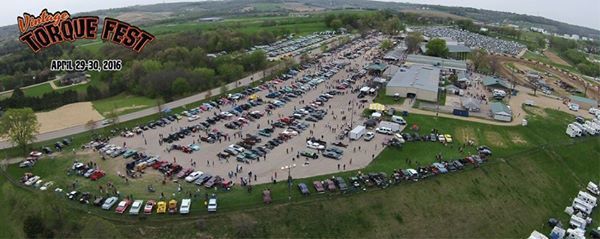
[(193, 176), (193, 118), (32, 180), (46, 186), (573, 106), (290, 132), (109, 202), (384, 130), (212, 204), (136, 207), (594, 111), (314, 145), (369, 136), (237, 148), (185, 206)]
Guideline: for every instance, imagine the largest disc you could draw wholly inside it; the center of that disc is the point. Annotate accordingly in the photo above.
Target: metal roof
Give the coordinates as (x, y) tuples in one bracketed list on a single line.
[(489, 81), (499, 107), (583, 100), (451, 48), (417, 76), (437, 61)]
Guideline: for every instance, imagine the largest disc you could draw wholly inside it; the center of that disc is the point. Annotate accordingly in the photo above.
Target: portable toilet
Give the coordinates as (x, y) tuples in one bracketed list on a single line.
[(524, 122)]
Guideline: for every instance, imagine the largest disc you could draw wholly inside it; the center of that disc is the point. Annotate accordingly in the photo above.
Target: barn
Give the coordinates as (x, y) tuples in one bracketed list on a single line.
[(417, 81), (501, 112)]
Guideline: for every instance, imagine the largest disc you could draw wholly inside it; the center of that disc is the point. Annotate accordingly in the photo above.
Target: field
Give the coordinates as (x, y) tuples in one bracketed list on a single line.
[(527, 181), (123, 104), (67, 116), (545, 59)]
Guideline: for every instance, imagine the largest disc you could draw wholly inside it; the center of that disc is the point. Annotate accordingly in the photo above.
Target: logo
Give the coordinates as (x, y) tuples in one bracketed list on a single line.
[(49, 29)]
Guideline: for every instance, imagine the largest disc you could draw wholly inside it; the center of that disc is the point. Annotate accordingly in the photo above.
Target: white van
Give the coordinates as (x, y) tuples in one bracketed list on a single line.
[(398, 119)]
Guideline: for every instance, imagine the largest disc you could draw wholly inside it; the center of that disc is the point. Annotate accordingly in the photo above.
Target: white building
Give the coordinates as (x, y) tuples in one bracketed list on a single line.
[(418, 81)]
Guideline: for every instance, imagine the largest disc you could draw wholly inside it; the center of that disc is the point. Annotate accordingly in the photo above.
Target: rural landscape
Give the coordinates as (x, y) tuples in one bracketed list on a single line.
[(304, 119)]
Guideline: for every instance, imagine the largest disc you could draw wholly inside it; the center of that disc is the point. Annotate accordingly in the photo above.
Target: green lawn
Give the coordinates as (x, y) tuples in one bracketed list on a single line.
[(386, 99), (123, 103), (532, 176), (542, 58), (38, 90)]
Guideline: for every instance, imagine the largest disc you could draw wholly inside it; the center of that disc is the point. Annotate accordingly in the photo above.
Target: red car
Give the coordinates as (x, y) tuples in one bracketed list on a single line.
[(150, 204), (319, 187), (330, 185), (122, 206), (98, 174), (185, 173), (286, 120), (159, 164)]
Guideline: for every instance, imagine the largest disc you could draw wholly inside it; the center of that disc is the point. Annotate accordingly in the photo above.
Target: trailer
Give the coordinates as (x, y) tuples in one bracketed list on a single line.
[(395, 127), (357, 132)]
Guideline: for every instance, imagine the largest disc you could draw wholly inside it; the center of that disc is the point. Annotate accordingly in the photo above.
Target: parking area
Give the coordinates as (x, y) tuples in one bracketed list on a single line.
[(327, 86)]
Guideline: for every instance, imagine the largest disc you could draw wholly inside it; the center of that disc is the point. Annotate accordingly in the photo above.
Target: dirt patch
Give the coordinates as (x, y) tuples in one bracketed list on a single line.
[(555, 58), (466, 134), (130, 108), (67, 116), (494, 139), (517, 138), (537, 111)]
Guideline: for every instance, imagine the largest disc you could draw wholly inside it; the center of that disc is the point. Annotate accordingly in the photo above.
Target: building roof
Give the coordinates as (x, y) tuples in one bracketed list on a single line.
[(500, 108), (583, 100), (470, 103), (437, 61), (417, 76), (452, 48), (491, 81), (395, 54)]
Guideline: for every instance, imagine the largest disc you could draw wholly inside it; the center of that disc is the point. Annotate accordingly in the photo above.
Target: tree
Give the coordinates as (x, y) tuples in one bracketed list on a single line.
[(413, 40), (479, 58), (113, 115), (18, 93), (336, 24), (180, 86), (437, 47), (20, 126), (386, 45), (159, 105), (304, 57)]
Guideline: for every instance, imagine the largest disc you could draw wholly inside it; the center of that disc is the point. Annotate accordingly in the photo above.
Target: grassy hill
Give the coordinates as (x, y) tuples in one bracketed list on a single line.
[(533, 175)]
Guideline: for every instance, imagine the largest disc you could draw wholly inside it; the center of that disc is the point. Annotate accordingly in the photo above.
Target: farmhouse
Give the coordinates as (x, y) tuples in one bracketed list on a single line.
[(584, 103), (73, 78), (501, 112), (418, 81)]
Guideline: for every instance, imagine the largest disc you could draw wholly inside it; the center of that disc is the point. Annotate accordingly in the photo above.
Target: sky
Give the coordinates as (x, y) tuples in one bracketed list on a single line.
[(578, 12)]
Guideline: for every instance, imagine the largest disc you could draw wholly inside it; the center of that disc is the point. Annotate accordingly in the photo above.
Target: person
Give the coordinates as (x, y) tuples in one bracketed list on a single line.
[(338, 166)]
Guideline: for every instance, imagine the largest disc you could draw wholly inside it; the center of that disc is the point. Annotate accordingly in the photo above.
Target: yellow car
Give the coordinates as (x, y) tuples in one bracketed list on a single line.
[(161, 207), (173, 206), (448, 138)]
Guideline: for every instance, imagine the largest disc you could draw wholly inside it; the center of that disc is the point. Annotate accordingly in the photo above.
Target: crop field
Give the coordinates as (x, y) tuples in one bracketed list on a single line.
[(521, 186)]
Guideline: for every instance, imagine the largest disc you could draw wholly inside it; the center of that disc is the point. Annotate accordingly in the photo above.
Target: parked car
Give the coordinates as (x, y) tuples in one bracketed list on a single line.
[(212, 204), (319, 187), (161, 207), (185, 206), (369, 136), (193, 176), (150, 204), (303, 189), (109, 202), (136, 207), (122, 206)]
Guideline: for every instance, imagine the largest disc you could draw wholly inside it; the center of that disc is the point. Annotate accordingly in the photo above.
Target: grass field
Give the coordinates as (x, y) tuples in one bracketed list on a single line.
[(123, 104), (542, 58), (532, 177), (386, 99)]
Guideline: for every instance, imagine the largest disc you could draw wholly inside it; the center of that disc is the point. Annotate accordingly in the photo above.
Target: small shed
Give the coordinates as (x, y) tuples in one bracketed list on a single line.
[(501, 112), (496, 83)]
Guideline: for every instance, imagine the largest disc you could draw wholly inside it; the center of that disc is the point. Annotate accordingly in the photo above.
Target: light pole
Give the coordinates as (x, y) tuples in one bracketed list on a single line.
[(289, 169)]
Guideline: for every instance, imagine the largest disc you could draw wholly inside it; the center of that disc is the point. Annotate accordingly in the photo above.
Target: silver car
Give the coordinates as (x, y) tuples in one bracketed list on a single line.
[(109, 202)]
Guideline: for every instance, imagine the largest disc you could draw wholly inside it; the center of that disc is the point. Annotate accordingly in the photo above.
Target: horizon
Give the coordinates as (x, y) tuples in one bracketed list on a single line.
[(12, 11)]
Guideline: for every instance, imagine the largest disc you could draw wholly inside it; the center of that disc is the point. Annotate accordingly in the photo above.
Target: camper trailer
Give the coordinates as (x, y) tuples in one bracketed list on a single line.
[(357, 132), (577, 222), (582, 206), (588, 198), (593, 188), (573, 131)]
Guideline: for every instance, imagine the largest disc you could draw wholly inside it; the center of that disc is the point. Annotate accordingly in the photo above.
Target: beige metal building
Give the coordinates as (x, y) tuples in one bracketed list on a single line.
[(418, 81)]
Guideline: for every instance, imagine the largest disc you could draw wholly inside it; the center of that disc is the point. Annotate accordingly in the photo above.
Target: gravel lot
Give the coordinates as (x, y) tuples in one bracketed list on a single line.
[(285, 154)]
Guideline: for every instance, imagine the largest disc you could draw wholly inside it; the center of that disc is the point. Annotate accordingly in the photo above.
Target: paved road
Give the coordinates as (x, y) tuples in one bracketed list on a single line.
[(153, 110)]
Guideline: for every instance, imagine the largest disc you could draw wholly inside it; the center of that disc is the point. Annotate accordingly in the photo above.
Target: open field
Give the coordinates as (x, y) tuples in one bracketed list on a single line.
[(67, 116), (123, 104), (521, 186), (555, 58)]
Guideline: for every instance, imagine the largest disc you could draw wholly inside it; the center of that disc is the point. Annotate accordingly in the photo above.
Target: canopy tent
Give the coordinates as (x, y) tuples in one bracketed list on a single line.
[(253, 97), (377, 107), (376, 115)]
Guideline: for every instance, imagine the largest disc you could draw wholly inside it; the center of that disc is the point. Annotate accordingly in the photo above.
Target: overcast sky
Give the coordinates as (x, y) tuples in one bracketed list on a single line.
[(578, 12)]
